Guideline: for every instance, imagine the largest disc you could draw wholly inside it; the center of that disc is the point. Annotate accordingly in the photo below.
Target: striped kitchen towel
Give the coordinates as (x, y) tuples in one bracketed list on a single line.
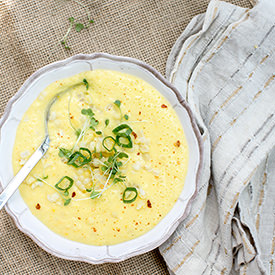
[(224, 66)]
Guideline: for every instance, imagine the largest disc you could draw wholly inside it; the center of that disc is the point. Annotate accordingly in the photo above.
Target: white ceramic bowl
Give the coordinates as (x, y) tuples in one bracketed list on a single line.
[(19, 211)]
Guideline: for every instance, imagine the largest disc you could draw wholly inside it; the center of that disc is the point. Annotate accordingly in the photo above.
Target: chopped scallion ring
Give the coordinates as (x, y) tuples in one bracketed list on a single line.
[(124, 136), (66, 188), (109, 143), (122, 127), (77, 159), (89, 158), (127, 190)]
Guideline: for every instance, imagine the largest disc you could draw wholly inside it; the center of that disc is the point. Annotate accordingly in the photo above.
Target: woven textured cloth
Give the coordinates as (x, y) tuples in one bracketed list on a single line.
[(223, 64), (30, 34)]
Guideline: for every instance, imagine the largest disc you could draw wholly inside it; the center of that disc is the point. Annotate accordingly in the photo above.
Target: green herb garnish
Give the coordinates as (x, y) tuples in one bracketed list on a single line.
[(41, 179), (116, 180), (109, 143), (124, 140), (86, 83), (117, 103), (64, 153), (126, 117), (78, 159), (79, 27), (122, 155), (64, 187), (95, 194), (123, 128), (98, 133), (67, 201), (107, 121), (133, 195), (87, 112), (64, 39), (90, 114)]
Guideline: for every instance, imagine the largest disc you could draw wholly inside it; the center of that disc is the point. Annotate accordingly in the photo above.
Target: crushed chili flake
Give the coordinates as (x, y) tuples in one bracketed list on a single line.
[(79, 218), (177, 143), (134, 134), (163, 106), (139, 113), (138, 153), (73, 194), (94, 229), (149, 204), (38, 206), (71, 117)]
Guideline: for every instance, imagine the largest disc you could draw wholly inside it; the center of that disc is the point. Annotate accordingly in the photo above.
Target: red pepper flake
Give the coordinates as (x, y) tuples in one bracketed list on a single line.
[(73, 194), (139, 113), (149, 204), (134, 134), (163, 106), (138, 153), (79, 218), (118, 230), (71, 117), (38, 206), (94, 229), (136, 223), (177, 143)]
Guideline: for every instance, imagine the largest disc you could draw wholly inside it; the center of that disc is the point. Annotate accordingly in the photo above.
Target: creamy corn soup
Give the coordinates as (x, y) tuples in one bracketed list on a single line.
[(117, 160)]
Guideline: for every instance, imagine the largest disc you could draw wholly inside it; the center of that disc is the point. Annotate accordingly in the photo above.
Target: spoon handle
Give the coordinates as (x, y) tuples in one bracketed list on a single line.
[(23, 172)]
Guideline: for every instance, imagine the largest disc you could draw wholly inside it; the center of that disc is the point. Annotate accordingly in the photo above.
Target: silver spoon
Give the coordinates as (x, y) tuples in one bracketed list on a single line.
[(35, 157)]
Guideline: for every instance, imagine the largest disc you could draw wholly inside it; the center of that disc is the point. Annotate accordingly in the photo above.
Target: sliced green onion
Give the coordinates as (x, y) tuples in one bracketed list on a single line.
[(98, 133), (89, 158), (77, 159), (121, 136), (127, 190), (121, 127), (65, 189), (106, 140), (126, 117)]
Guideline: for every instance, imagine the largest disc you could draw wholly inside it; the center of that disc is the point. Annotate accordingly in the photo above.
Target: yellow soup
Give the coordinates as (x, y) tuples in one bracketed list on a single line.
[(117, 160)]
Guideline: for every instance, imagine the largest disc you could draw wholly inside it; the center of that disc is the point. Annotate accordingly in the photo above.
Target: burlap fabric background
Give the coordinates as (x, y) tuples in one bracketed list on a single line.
[(30, 34)]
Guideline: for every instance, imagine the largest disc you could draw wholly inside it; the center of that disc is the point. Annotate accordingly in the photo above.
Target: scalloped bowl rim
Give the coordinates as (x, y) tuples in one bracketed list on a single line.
[(163, 230)]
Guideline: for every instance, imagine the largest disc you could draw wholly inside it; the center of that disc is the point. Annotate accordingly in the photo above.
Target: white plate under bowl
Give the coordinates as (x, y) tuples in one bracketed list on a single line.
[(16, 207)]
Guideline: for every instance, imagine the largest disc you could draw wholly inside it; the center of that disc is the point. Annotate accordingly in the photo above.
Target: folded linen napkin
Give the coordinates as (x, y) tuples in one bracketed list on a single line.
[(224, 66)]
